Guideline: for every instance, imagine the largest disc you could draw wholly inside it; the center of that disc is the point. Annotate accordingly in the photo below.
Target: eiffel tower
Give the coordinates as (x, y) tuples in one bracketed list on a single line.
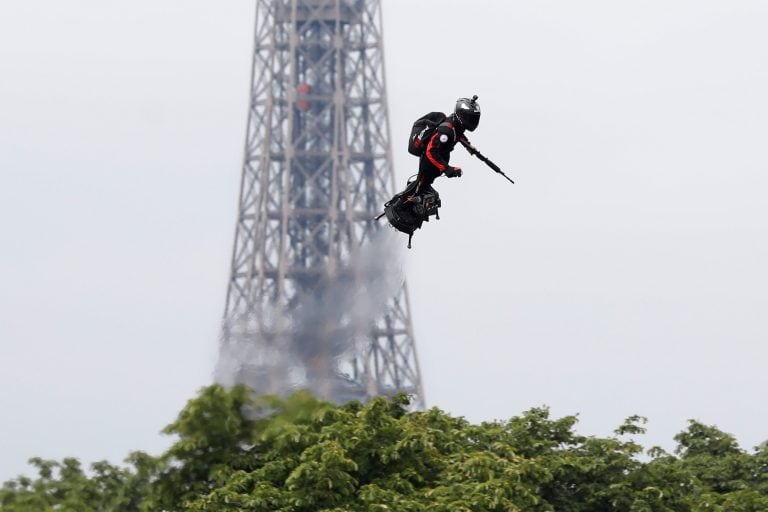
[(313, 300)]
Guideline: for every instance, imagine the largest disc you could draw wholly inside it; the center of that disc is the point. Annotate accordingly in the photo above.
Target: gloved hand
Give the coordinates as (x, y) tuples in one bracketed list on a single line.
[(453, 172)]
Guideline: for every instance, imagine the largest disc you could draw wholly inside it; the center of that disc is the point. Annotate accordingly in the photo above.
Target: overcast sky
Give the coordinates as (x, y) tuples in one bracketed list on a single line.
[(624, 273)]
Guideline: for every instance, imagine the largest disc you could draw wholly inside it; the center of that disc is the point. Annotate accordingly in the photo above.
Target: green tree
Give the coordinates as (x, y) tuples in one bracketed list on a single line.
[(65, 487), (236, 452)]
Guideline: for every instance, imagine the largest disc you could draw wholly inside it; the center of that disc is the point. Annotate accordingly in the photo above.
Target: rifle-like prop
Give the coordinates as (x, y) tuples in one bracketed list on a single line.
[(474, 152)]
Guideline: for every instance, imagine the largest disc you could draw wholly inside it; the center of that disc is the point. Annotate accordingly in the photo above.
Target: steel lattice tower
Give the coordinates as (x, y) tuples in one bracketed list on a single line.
[(317, 170)]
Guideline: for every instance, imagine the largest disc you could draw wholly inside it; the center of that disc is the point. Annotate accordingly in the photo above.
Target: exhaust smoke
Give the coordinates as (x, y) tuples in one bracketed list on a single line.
[(321, 339)]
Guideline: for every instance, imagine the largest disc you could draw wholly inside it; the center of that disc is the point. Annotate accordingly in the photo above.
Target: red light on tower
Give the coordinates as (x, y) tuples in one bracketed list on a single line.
[(301, 101)]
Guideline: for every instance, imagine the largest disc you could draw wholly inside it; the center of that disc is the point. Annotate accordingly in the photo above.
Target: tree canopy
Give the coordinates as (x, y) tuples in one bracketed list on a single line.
[(238, 452)]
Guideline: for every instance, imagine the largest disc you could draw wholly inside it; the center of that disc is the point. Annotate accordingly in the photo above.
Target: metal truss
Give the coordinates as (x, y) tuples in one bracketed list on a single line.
[(317, 170)]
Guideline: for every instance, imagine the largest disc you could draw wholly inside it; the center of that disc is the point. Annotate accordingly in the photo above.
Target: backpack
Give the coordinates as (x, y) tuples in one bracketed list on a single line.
[(422, 130)]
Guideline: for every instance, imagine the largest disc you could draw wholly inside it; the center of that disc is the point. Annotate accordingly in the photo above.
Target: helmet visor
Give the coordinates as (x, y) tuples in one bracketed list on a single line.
[(470, 120)]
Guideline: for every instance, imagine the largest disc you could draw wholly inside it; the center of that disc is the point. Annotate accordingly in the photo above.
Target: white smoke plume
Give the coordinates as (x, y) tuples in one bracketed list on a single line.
[(326, 328)]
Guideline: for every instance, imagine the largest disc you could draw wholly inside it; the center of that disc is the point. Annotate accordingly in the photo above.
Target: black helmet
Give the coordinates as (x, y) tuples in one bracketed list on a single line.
[(468, 112)]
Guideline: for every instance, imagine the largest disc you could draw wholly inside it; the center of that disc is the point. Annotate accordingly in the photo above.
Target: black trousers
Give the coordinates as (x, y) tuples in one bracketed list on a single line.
[(426, 176)]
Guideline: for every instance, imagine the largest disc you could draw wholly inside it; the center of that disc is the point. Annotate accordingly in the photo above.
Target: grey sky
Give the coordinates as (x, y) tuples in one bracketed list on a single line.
[(624, 272)]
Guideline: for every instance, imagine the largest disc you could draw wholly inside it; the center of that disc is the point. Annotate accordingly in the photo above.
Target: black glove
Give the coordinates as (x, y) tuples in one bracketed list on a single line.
[(453, 172)]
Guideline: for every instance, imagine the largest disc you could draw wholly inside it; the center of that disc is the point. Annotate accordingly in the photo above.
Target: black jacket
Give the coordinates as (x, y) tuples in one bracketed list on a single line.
[(437, 154)]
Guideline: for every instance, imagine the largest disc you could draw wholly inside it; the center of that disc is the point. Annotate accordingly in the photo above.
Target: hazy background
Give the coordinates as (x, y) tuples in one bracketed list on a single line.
[(624, 273)]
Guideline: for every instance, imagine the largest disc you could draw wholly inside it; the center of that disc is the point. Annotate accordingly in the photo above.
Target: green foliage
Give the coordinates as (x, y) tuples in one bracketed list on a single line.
[(215, 440), (237, 452), (65, 487)]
